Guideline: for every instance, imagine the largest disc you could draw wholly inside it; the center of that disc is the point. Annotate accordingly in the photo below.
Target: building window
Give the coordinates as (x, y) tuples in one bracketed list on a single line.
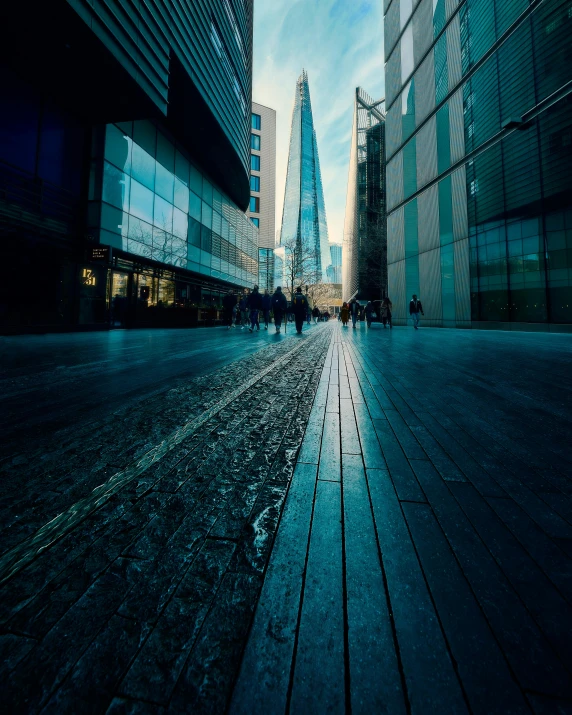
[(255, 183), (256, 222), (256, 121), (255, 142), (254, 162), (255, 204)]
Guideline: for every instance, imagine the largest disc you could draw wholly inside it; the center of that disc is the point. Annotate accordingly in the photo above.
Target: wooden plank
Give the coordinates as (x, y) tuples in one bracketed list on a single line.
[(428, 668), (370, 447), (374, 672), (348, 427), (330, 454), (405, 481), (529, 654), (269, 652), (319, 680), (310, 449), (481, 665)]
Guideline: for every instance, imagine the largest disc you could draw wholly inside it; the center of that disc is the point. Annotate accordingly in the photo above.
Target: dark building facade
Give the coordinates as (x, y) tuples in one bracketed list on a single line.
[(479, 149), (364, 265), (124, 160)]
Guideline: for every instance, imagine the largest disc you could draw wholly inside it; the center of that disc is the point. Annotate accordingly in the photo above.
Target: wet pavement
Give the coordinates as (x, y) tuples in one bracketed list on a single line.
[(347, 521)]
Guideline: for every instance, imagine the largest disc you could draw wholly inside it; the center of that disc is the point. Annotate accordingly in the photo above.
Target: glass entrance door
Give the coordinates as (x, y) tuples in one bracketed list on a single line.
[(119, 298)]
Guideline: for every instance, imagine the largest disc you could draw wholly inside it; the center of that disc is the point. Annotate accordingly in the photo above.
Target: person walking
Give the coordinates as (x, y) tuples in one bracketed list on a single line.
[(386, 306), (254, 306), (266, 303), (368, 313), (415, 308), (279, 306), (354, 311), (315, 314), (243, 308), (228, 303), (236, 315), (345, 314), (299, 308)]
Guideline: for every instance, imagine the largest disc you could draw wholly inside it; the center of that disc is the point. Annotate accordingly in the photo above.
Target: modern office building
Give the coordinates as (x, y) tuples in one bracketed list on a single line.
[(304, 213), (262, 208), (124, 161), (334, 270), (479, 149), (364, 268)]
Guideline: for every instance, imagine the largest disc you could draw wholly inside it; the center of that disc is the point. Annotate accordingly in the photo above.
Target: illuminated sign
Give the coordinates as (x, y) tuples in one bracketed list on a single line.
[(88, 277)]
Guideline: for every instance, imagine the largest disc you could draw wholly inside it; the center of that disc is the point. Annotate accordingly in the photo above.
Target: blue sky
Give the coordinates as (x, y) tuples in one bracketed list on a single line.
[(340, 44)]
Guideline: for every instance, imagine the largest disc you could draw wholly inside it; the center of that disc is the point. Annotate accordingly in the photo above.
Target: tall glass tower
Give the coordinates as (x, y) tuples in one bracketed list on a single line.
[(304, 213)]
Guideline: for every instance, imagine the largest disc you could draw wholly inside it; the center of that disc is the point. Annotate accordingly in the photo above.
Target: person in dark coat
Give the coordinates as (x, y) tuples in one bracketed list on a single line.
[(266, 304), (299, 308), (386, 307), (368, 313), (354, 307), (279, 305), (315, 314), (243, 309), (254, 305), (415, 308), (228, 303)]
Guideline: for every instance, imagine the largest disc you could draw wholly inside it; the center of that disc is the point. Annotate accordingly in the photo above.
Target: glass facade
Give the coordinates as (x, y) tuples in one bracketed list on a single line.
[(304, 213), (149, 200), (364, 272), (266, 269), (256, 121), (479, 149)]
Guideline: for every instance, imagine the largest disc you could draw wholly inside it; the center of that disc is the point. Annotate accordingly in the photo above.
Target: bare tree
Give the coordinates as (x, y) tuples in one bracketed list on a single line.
[(299, 265)]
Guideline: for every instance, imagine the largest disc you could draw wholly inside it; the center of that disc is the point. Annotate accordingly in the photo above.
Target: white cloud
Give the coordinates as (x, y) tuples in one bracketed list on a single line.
[(340, 44)]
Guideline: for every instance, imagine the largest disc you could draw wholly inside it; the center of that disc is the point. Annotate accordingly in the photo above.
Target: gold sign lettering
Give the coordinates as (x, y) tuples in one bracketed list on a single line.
[(88, 277)]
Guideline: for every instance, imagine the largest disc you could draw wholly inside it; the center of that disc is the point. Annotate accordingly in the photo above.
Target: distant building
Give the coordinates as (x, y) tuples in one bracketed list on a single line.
[(125, 137), (334, 270), (262, 208), (364, 272), (479, 157), (304, 213)]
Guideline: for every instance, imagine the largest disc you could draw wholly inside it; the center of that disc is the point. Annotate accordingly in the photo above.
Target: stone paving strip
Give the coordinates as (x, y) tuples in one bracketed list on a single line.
[(423, 559), (139, 596)]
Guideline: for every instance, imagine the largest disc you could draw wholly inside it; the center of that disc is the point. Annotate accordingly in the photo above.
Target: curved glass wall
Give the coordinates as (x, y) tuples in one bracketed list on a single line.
[(156, 204)]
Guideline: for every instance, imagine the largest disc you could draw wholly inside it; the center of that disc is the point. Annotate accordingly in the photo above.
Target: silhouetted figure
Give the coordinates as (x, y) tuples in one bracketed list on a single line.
[(279, 306), (415, 308)]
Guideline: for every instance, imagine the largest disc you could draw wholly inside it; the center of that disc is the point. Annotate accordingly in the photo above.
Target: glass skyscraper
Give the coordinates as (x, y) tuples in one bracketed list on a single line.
[(479, 150), (364, 268), (304, 212)]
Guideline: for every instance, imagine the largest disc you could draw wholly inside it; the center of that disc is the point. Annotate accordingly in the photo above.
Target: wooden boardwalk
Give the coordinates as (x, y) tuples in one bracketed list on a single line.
[(422, 561)]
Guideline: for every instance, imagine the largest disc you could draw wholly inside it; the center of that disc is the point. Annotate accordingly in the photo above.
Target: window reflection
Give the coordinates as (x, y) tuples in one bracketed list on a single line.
[(162, 206), (405, 9), (407, 62)]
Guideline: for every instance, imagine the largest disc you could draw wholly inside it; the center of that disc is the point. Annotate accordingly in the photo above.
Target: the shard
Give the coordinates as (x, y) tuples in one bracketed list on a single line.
[(304, 214)]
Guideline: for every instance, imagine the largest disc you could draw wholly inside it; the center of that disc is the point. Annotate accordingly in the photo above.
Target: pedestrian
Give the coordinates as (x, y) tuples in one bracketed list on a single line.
[(266, 303), (254, 306), (345, 314), (243, 306), (309, 308), (299, 308), (386, 307), (228, 303), (315, 314), (368, 313), (279, 305), (354, 307), (415, 308), (236, 315)]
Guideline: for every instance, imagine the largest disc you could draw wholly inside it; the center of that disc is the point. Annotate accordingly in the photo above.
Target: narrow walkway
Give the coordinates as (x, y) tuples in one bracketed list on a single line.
[(422, 561)]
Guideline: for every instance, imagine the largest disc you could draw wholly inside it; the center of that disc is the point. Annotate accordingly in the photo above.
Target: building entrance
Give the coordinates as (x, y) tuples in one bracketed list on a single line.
[(120, 292)]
